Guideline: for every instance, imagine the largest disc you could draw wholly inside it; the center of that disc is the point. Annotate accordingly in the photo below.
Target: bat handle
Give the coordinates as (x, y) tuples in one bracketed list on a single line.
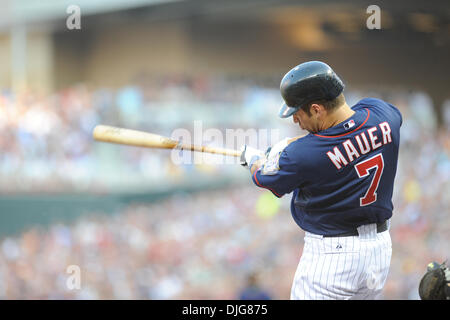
[(213, 150)]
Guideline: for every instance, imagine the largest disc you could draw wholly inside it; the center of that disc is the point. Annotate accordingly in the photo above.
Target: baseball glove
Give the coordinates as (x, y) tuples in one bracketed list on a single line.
[(435, 284)]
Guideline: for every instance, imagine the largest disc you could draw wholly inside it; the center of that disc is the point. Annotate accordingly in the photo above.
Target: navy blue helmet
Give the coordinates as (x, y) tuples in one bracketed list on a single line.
[(308, 82)]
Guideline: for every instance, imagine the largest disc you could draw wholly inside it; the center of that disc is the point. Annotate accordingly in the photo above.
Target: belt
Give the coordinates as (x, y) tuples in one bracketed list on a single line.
[(381, 227)]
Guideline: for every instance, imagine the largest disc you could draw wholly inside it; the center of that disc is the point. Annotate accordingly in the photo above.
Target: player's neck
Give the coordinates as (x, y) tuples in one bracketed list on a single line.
[(340, 115)]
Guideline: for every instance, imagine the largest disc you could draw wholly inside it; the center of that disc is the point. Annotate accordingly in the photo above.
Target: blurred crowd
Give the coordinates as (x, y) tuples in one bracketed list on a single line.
[(202, 246), (47, 143), (421, 221)]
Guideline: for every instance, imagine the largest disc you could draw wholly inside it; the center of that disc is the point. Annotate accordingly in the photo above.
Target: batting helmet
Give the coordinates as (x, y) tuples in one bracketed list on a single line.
[(308, 82)]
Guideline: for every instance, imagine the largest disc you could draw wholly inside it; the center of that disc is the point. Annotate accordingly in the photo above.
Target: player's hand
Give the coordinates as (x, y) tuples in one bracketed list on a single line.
[(249, 155), (272, 152)]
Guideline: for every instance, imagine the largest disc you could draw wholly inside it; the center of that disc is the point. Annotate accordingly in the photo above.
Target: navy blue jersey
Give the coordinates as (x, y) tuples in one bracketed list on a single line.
[(341, 177)]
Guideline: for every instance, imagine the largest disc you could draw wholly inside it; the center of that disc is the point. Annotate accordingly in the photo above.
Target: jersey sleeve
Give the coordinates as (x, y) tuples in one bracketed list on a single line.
[(280, 175), (397, 112)]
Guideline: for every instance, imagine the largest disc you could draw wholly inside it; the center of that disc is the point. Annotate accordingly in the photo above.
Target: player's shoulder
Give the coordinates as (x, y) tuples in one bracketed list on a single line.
[(296, 147), (371, 103), (302, 153), (378, 106)]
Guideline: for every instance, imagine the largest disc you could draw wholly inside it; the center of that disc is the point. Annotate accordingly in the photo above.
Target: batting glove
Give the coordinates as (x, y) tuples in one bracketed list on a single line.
[(249, 155), (277, 148)]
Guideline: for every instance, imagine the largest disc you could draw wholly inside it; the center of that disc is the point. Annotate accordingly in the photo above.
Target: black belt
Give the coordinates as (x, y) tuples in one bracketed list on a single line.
[(381, 227)]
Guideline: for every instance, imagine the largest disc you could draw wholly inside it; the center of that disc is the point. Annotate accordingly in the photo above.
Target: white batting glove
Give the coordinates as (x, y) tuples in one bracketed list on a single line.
[(277, 148), (249, 155)]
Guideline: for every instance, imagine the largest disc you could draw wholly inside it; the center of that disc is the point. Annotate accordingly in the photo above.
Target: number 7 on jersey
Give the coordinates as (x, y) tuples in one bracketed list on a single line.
[(362, 168)]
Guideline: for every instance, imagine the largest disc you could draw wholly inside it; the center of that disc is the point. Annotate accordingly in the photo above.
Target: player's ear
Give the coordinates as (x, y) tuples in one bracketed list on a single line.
[(316, 109)]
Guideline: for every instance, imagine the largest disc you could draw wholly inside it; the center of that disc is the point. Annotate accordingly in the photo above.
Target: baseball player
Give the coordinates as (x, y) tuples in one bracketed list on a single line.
[(342, 176)]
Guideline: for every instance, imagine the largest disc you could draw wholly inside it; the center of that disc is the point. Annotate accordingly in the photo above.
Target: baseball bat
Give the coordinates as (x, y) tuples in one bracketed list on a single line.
[(150, 140)]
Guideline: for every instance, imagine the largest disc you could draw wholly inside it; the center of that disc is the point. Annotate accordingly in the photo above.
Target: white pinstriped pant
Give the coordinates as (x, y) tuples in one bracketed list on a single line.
[(338, 268)]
